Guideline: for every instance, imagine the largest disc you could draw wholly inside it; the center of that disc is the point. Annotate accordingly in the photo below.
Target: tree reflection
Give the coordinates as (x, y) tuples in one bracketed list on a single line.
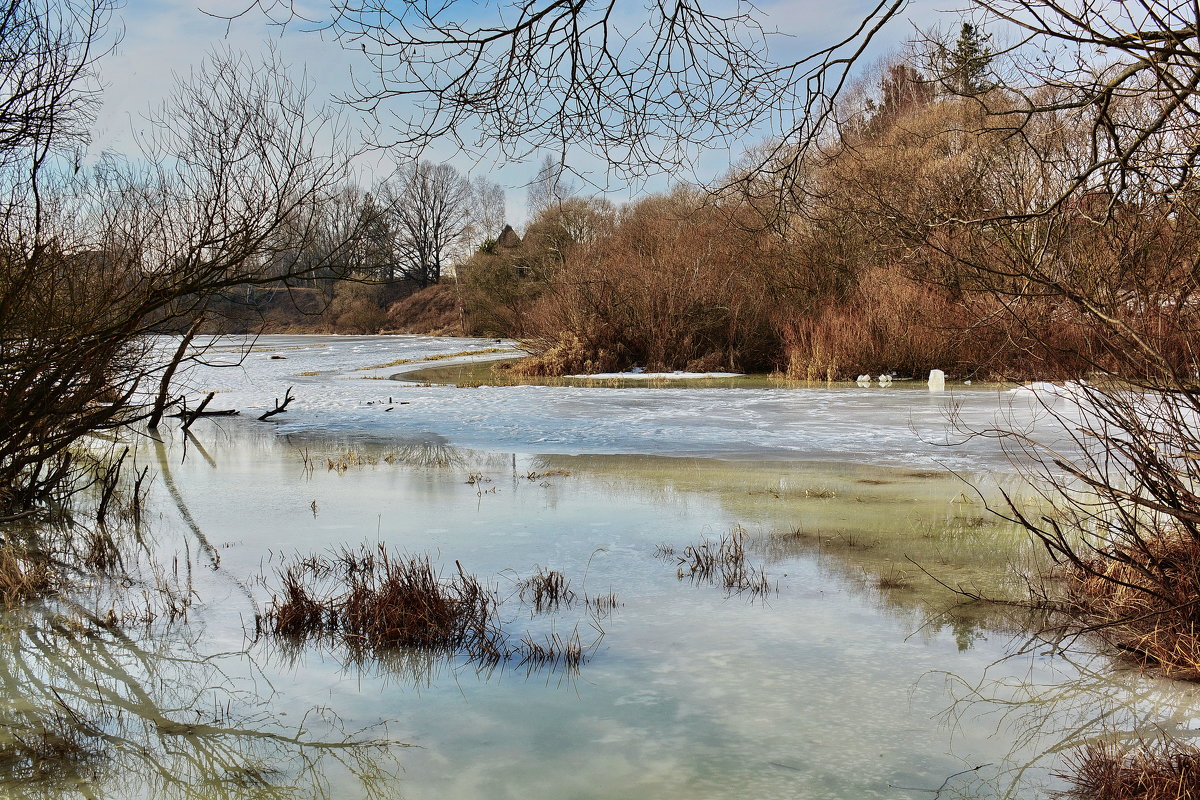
[(1057, 702), (88, 711)]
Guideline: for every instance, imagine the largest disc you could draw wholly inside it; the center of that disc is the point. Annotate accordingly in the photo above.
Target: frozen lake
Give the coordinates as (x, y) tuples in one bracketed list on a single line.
[(858, 676), (341, 386)]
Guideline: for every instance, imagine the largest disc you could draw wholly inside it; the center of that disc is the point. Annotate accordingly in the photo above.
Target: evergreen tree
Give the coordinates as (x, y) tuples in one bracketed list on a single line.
[(967, 65)]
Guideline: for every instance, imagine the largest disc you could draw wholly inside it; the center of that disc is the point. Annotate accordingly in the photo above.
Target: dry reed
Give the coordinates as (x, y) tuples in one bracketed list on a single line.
[(376, 605), (1145, 602), (547, 590), (723, 562), (23, 575), (372, 600), (1167, 770)]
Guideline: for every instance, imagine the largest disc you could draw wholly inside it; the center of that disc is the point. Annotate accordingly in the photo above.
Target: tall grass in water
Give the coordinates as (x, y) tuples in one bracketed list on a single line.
[(1167, 770), (369, 599), (724, 563), (547, 590), (376, 604)]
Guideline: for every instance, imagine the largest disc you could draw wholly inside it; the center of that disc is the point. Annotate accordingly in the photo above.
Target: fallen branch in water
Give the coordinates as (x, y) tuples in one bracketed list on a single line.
[(279, 407), (189, 417)]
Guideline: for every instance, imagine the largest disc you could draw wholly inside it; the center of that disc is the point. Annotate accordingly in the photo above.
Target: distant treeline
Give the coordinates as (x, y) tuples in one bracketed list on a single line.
[(865, 254), (938, 224)]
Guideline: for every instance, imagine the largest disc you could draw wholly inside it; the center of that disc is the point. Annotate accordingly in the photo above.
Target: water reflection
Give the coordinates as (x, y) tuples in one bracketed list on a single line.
[(89, 711), (1067, 702), (917, 543), (825, 690)]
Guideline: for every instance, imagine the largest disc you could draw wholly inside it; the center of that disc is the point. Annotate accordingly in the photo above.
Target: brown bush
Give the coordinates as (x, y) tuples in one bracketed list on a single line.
[(898, 325), (676, 283), (356, 308)]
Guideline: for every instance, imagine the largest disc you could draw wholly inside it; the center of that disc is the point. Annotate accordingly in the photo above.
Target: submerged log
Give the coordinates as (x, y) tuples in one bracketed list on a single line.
[(279, 407)]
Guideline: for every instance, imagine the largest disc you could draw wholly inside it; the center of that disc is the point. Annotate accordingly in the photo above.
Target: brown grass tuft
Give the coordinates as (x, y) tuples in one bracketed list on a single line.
[(724, 562), (23, 576), (1150, 771), (374, 600), (1145, 603), (382, 606)]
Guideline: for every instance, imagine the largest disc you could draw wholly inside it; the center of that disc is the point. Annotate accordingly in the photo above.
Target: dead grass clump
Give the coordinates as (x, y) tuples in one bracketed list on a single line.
[(1144, 602), (341, 462), (369, 599), (724, 562), (60, 752), (387, 607), (23, 575), (552, 650), (568, 355), (461, 353), (547, 590), (298, 614), (1150, 771)]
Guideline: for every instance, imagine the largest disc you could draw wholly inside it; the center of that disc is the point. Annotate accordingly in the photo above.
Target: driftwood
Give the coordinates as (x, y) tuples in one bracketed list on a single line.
[(279, 407), (189, 417)]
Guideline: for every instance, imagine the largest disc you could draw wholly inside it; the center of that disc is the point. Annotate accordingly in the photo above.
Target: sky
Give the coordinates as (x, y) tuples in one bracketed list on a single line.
[(164, 39)]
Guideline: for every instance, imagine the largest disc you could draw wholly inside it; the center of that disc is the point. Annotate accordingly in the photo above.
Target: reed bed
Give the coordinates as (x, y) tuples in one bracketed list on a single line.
[(1168, 770), (723, 562), (376, 604), (1145, 603)]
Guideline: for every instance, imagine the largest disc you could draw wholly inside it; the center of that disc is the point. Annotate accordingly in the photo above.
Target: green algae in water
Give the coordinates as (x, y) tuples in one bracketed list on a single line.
[(836, 687)]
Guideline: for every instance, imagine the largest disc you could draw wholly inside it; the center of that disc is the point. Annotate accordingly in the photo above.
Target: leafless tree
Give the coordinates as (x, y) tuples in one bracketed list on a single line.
[(643, 87), (490, 214), (429, 208), (232, 176), (549, 187)]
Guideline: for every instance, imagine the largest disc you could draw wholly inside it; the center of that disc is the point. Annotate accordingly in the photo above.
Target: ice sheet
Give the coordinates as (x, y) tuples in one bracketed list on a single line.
[(340, 385)]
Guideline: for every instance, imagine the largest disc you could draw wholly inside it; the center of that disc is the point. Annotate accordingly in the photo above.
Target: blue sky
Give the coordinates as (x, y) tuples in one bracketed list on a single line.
[(165, 38)]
